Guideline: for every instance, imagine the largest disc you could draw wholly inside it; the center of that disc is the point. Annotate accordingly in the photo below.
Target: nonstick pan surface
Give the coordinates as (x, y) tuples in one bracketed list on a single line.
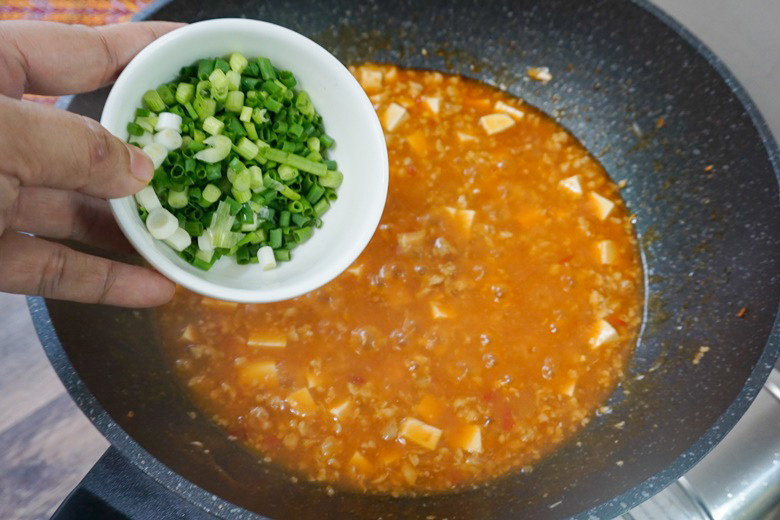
[(658, 110)]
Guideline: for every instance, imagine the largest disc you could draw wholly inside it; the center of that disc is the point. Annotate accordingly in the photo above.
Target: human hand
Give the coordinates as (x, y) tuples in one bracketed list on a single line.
[(56, 167)]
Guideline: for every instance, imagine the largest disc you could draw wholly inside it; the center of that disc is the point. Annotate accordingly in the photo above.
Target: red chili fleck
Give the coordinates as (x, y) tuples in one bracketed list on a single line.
[(506, 419), (566, 259), (357, 380), (619, 322), (411, 170)]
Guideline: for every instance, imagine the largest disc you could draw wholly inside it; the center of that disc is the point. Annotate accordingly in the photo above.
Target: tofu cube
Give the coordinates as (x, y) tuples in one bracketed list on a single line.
[(262, 338), (408, 242), (429, 408), (571, 185), (464, 137), (341, 410), (258, 373), (432, 104), (188, 334), (495, 123), (606, 252), (370, 79), (469, 438), (359, 464), (394, 115), (420, 433), (301, 402), (601, 206), (418, 143), (464, 218), (439, 311), (542, 74), (602, 333), (313, 380), (509, 109), (568, 387)]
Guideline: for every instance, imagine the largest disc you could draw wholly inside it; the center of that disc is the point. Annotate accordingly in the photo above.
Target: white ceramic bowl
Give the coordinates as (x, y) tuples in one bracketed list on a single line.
[(348, 116)]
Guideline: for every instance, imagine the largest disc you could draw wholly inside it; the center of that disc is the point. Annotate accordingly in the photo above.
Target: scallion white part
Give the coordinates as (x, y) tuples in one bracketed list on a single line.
[(157, 153), (141, 140), (168, 120), (169, 138), (180, 239), (204, 241), (219, 149), (206, 256), (162, 224), (148, 200), (266, 258)]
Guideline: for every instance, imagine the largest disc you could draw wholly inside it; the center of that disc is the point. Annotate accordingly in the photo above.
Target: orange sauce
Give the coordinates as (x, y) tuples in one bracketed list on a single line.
[(492, 313)]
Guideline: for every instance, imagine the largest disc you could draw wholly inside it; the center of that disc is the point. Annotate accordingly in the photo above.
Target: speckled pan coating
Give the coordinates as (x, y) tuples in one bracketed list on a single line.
[(703, 186)]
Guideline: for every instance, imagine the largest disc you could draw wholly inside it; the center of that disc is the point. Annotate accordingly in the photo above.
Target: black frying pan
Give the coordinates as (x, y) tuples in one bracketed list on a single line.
[(709, 237)]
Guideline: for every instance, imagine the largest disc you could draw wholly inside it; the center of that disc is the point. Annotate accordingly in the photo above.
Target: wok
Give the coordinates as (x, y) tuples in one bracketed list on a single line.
[(657, 109)]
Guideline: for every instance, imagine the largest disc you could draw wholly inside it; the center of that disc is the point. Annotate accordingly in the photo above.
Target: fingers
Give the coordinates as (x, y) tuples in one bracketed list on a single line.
[(54, 59), (35, 266), (67, 215), (42, 146)]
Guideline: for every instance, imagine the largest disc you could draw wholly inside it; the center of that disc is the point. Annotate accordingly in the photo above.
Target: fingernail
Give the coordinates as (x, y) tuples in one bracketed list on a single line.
[(140, 164)]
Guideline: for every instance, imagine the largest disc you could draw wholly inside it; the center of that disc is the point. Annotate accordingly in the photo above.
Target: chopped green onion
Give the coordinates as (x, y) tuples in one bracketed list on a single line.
[(153, 101), (185, 92), (238, 62), (213, 126)]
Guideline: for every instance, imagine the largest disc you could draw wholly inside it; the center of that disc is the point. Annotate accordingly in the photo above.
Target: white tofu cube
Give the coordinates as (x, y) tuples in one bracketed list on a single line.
[(495, 123), (394, 115), (542, 74), (464, 137), (439, 311), (370, 79), (602, 206), (340, 410), (603, 332), (432, 104), (359, 464), (509, 109), (469, 438), (258, 373), (571, 185), (420, 433), (606, 252), (188, 334), (267, 339), (301, 402)]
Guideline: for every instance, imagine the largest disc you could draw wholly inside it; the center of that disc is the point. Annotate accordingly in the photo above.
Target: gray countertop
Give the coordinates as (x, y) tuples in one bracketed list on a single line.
[(46, 445)]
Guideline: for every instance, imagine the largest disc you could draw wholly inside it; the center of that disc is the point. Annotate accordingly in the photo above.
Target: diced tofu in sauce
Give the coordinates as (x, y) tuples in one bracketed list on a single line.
[(469, 438), (267, 339), (432, 104), (340, 410), (602, 206), (606, 251), (258, 373), (394, 115), (571, 185), (420, 433), (603, 332), (495, 123), (412, 241), (301, 402), (509, 109)]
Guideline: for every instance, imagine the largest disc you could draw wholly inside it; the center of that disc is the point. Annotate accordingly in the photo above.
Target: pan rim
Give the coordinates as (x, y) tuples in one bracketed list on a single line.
[(614, 507)]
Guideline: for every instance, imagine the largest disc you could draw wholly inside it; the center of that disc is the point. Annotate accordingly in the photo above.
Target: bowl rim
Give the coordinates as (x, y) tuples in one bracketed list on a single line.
[(275, 291)]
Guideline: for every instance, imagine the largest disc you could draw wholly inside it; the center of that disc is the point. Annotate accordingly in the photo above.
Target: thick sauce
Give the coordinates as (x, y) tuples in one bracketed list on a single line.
[(490, 316)]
